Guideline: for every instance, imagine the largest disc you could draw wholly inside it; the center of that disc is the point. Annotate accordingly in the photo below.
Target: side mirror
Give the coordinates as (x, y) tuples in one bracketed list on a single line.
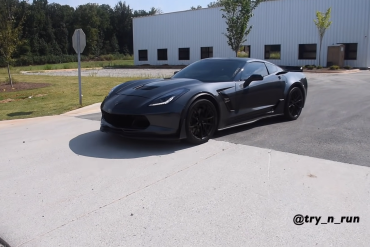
[(175, 72), (253, 77)]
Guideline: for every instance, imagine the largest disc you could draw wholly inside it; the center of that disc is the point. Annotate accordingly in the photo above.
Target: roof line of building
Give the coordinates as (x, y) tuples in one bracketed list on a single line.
[(175, 12)]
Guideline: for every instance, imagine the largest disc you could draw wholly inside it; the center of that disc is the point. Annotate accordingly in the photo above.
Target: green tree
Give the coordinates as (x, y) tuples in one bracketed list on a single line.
[(10, 31), (61, 22), (237, 14), (215, 4), (87, 17), (194, 8), (122, 24), (322, 23)]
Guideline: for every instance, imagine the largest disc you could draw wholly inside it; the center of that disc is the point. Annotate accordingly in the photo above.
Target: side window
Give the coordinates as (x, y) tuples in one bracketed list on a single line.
[(272, 68), (254, 68)]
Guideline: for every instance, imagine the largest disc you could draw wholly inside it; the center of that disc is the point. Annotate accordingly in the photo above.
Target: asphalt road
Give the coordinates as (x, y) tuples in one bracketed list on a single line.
[(334, 125)]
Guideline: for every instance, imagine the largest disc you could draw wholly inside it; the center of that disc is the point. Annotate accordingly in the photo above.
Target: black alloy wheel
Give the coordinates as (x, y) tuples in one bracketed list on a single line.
[(294, 105), (201, 121)]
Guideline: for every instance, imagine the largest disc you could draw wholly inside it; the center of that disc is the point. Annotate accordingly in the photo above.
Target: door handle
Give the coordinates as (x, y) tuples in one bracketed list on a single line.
[(279, 77)]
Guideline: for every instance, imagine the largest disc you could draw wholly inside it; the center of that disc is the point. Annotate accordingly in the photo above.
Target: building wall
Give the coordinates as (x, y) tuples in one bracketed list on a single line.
[(290, 23), (188, 29), (284, 22)]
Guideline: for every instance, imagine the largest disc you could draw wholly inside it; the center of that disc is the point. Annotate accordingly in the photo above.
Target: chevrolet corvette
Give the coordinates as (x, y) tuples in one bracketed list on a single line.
[(207, 96)]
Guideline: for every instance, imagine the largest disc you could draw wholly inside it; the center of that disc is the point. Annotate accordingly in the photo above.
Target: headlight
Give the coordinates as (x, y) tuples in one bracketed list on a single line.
[(169, 97)]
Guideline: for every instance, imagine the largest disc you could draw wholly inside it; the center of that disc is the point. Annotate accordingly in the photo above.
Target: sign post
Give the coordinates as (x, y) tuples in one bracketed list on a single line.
[(79, 44)]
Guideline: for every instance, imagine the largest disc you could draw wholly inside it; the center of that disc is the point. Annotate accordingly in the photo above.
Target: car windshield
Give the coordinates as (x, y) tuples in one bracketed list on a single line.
[(212, 70)]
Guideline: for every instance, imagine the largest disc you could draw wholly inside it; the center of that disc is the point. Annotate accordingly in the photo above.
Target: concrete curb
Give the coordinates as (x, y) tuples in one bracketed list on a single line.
[(332, 71), (90, 109)]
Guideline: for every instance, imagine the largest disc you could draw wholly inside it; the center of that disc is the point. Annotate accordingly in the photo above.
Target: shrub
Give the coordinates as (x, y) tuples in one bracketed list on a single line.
[(243, 54), (347, 67), (313, 65), (47, 67), (309, 67), (319, 67), (27, 60), (109, 57), (66, 66), (334, 67), (275, 55)]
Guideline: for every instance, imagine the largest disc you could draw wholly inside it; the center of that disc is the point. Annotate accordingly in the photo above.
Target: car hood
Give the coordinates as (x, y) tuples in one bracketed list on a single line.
[(153, 87)]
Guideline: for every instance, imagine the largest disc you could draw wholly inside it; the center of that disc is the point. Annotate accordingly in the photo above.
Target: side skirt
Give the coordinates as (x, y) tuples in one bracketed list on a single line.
[(250, 121)]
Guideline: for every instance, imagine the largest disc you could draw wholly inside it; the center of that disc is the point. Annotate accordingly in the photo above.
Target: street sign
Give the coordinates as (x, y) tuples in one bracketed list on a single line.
[(79, 43), (79, 40)]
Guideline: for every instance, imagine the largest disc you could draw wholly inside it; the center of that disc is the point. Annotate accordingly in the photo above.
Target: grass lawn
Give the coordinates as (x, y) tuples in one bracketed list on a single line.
[(91, 64), (61, 96)]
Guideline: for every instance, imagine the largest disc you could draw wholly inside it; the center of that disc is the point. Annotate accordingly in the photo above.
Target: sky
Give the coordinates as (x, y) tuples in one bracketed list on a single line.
[(165, 5)]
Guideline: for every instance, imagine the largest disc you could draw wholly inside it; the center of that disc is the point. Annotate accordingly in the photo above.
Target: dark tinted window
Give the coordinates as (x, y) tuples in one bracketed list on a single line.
[(350, 51), (254, 68), (162, 54), (307, 51), (143, 55), (212, 70), (272, 68), (184, 53), (272, 51), (206, 52), (245, 51)]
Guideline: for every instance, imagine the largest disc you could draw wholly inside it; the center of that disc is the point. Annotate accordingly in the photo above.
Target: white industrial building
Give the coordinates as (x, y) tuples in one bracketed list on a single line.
[(283, 32)]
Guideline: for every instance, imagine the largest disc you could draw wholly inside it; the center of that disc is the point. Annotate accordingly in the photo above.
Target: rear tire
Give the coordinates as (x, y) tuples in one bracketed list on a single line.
[(294, 104), (201, 122)]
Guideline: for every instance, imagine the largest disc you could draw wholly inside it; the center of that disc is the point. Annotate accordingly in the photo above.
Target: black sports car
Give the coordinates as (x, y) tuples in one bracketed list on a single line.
[(206, 96)]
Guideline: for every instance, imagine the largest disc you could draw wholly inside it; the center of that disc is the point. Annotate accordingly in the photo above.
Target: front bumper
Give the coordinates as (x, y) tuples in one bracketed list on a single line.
[(130, 116), (152, 132)]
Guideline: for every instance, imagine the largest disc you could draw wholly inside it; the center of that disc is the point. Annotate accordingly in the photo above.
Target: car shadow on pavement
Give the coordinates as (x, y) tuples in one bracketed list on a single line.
[(109, 146)]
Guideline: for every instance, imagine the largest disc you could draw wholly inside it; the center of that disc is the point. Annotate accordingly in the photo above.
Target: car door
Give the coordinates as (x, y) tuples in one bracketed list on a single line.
[(257, 97), (277, 91)]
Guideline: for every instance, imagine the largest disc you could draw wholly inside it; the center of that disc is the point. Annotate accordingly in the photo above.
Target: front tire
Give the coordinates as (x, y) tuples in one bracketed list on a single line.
[(201, 122), (294, 104)]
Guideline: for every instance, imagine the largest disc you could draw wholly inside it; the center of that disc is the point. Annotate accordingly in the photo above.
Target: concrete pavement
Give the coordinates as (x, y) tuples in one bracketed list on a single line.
[(64, 183)]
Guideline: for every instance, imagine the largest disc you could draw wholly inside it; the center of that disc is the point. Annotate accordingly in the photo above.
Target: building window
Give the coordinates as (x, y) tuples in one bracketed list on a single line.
[(184, 53), (162, 54), (245, 51), (307, 51), (350, 51), (206, 52), (143, 55), (272, 51)]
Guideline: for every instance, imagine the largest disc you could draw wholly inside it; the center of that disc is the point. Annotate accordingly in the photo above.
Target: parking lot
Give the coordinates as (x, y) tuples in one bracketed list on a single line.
[(64, 183)]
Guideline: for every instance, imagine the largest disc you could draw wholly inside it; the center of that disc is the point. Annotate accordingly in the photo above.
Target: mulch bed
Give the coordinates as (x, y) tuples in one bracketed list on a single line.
[(20, 86)]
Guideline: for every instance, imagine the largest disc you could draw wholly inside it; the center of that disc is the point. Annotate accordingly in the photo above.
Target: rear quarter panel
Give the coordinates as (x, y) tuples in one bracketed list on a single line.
[(296, 79)]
